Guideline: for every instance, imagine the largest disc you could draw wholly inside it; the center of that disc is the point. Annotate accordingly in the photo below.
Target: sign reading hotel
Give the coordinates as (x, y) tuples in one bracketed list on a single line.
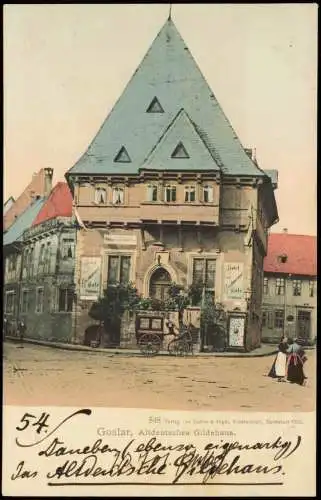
[(233, 280), (90, 278)]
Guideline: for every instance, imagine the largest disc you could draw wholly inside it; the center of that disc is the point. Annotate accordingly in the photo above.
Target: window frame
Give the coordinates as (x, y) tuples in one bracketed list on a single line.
[(279, 319), (312, 288), (208, 290), (68, 291), (297, 288), (170, 188), (265, 285), (13, 294), (280, 287), (119, 270), (39, 310), (188, 191), (151, 189), (122, 190), (64, 241), (206, 188), (96, 195), (25, 291)]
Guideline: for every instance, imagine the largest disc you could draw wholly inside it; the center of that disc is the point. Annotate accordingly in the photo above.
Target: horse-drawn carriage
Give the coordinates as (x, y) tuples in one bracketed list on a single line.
[(150, 335)]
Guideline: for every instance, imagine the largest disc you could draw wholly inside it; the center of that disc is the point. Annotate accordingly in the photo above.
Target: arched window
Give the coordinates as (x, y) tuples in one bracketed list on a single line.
[(159, 284)]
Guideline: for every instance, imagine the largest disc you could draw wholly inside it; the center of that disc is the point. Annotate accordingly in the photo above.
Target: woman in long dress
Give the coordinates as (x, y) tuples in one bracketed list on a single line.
[(278, 369), (295, 361)]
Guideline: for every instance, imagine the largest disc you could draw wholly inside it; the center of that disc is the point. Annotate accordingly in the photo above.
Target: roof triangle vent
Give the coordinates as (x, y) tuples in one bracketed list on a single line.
[(180, 151), (122, 156), (155, 107)]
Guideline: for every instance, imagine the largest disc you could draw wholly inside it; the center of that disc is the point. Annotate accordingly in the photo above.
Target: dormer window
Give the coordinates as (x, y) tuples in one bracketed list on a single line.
[(151, 193), (170, 193), (282, 258), (100, 196), (208, 194), (190, 194), (118, 196)]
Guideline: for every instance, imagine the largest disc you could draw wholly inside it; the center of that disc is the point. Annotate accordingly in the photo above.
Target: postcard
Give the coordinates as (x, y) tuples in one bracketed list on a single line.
[(160, 298)]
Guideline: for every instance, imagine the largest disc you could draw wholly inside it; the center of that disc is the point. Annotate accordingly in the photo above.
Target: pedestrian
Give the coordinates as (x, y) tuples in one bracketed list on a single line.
[(278, 369), (295, 362), (170, 327), (21, 329)]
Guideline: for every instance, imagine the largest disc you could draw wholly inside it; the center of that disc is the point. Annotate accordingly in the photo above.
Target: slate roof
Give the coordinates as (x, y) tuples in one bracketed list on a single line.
[(58, 204), (183, 131), (301, 252), (169, 73), (23, 222)]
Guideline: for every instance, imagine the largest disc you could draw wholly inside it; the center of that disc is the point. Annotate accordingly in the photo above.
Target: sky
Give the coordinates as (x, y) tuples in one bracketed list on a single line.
[(66, 65)]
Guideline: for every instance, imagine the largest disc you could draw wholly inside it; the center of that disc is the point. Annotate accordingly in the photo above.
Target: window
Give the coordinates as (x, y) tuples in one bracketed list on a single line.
[(264, 319), (100, 196), (47, 257), (296, 286), (67, 248), (266, 286), (65, 299), (10, 302), (279, 286), (208, 194), (25, 301), (118, 195), (311, 288), (278, 318), (122, 156), (170, 194), (12, 262), (118, 269), (152, 193), (155, 107), (204, 274), (31, 261), (190, 194), (180, 151), (39, 300), (41, 253)]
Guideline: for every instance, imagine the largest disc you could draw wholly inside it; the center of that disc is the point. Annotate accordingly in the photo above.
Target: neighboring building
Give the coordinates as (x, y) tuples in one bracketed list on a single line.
[(39, 187), (12, 256), (290, 288), (166, 192), (43, 277)]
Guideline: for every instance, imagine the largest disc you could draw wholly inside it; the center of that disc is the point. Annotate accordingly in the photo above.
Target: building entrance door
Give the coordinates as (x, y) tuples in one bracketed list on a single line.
[(159, 284), (304, 324)]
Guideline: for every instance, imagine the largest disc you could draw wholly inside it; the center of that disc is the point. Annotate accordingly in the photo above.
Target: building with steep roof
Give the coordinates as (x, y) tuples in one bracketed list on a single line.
[(290, 287), (39, 187), (39, 287), (166, 192)]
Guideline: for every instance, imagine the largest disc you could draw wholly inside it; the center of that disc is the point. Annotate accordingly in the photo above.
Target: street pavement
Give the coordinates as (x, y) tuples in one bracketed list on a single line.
[(40, 375)]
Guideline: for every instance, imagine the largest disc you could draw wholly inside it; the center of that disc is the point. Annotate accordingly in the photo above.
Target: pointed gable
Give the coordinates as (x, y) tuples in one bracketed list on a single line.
[(122, 156), (169, 72), (170, 151)]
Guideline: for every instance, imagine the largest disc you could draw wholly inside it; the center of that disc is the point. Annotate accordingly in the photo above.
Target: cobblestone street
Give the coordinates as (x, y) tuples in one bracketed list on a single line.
[(38, 375)]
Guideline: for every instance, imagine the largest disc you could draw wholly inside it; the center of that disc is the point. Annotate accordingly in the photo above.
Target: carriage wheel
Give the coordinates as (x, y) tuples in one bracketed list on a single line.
[(149, 344), (179, 348)]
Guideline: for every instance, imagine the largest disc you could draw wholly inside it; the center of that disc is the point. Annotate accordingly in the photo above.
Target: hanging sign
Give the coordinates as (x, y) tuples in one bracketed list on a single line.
[(90, 278), (233, 280)]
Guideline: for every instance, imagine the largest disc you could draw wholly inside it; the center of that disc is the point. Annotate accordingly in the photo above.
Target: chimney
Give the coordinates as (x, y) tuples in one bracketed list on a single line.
[(48, 181), (285, 230)]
